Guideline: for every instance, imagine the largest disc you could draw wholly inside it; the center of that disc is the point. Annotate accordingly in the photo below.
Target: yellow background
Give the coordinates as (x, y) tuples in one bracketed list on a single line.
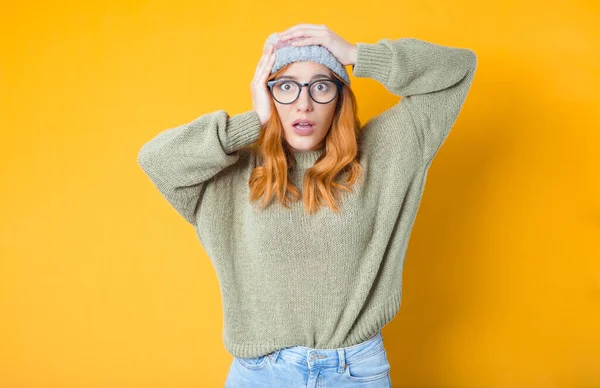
[(102, 284)]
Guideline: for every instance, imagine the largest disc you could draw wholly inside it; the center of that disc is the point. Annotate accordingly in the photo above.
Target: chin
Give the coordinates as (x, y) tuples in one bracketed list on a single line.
[(304, 145)]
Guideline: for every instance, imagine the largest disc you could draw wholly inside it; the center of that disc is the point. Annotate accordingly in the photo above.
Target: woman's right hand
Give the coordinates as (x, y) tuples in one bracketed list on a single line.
[(261, 98)]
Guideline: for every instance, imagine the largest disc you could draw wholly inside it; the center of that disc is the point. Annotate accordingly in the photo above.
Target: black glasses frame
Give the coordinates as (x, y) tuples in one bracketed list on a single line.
[(272, 83)]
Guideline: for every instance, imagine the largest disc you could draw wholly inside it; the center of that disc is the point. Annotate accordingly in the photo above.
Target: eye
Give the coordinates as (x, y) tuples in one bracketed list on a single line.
[(321, 86), (286, 86)]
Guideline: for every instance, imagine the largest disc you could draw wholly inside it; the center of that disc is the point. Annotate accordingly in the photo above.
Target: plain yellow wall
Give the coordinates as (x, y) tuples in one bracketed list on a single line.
[(102, 284)]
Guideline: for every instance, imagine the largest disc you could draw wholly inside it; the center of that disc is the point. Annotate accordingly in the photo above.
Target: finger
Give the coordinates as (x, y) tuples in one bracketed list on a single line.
[(302, 27), (259, 66), (314, 40), (267, 50), (311, 28), (294, 30), (267, 67), (297, 26), (304, 32), (265, 57)]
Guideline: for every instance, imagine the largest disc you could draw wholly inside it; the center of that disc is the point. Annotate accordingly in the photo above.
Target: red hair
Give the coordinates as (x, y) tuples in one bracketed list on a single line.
[(339, 159)]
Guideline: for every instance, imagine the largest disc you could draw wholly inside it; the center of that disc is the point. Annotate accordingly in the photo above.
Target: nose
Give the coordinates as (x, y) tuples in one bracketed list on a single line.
[(304, 102)]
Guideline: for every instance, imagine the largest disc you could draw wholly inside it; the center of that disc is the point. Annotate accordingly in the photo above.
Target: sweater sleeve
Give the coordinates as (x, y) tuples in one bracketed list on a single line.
[(181, 160), (433, 81)]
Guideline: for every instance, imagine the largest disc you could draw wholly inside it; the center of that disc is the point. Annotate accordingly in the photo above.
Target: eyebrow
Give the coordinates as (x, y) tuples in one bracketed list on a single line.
[(313, 77)]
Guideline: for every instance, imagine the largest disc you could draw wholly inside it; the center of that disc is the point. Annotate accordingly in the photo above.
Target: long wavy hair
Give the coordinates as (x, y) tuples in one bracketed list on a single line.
[(340, 159)]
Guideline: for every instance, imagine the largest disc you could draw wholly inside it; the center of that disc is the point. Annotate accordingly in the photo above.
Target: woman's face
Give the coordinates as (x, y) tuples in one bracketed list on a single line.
[(305, 108)]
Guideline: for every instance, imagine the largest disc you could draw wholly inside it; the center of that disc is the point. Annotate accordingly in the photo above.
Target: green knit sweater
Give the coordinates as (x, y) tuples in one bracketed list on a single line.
[(325, 280)]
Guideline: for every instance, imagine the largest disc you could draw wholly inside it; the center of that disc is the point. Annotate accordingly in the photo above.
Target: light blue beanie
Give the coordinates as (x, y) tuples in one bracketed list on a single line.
[(285, 54)]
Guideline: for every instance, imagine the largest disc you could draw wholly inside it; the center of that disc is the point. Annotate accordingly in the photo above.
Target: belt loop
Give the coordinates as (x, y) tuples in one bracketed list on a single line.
[(274, 355), (342, 359)]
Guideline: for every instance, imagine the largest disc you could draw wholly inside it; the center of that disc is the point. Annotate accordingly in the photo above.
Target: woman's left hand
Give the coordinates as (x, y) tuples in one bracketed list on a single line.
[(312, 34)]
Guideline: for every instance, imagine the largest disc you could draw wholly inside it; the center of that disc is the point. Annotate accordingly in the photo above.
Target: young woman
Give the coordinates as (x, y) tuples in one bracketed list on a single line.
[(305, 214)]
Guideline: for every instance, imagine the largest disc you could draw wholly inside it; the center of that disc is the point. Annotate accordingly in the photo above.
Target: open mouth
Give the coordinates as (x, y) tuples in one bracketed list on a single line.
[(303, 128)]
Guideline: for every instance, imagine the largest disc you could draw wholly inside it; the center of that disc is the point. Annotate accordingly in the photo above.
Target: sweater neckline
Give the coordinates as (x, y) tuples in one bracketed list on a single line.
[(306, 159)]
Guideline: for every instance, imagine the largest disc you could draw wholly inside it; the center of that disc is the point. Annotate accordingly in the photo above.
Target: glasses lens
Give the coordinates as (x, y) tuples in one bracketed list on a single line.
[(323, 91), (285, 91)]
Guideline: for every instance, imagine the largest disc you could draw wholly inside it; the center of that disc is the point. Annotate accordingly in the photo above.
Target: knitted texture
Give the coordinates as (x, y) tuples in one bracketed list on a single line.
[(327, 280), (285, 53)]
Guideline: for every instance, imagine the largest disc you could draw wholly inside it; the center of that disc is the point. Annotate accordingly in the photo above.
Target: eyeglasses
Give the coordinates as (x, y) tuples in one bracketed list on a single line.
[(321, 91)]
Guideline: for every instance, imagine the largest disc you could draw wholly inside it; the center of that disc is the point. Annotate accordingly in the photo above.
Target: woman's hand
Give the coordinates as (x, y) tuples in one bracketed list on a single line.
[(344, 51), (261, 98)]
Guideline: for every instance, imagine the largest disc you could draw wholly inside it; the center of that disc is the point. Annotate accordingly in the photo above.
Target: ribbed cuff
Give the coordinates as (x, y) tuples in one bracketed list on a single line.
[(242, 129), (366, 329), (373, 60)]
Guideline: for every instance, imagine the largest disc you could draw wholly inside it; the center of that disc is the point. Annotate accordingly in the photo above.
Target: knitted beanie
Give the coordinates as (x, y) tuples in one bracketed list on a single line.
[(285, 54)]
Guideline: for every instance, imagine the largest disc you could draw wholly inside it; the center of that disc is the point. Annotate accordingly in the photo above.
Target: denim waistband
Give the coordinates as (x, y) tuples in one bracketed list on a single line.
[(311, 357)]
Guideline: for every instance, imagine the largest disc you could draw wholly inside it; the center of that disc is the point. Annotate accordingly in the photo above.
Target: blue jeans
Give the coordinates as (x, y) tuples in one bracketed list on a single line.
[(362, 365)]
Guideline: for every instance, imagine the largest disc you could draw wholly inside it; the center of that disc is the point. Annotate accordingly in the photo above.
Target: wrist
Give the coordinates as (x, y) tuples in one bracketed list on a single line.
[(353, 54), (263, 121)]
